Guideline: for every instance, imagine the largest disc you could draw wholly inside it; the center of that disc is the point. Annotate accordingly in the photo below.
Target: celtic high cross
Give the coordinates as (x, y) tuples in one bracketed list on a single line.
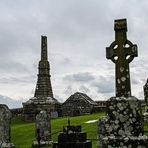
[(122, 52)]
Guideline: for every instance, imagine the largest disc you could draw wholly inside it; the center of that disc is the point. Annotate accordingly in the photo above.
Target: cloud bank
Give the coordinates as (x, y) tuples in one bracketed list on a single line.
[(78, 33)]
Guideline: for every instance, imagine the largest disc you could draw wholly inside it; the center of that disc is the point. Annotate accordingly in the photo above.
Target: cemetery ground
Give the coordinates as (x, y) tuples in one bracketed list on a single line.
[(23, 132)]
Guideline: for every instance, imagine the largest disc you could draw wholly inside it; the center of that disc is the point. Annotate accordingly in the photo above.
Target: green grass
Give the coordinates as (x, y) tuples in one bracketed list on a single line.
[(146, 128), (23, 133)]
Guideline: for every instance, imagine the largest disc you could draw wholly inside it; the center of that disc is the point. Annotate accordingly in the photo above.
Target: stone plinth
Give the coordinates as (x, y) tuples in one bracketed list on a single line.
[(123, 124), (33, 106), (42, 144), (125, 142)]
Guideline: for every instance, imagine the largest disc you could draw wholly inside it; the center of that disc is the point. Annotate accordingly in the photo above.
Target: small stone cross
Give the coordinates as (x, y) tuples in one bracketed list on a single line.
[(122, 52)]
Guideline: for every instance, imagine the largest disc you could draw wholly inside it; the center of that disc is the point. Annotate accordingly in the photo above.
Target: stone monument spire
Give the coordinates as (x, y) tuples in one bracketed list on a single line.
[(43, 99), (43, 87)]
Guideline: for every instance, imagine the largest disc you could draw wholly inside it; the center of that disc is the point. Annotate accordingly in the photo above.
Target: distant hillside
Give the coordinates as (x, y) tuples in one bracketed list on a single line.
[(11, 103)]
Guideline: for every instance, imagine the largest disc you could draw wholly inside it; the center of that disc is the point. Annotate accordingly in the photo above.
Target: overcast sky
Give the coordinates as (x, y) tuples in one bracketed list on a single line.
[(78, 33)]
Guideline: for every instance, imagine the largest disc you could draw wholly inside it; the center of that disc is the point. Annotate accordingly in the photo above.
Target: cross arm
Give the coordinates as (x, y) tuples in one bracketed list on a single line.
[(111, 52), (131, 51)]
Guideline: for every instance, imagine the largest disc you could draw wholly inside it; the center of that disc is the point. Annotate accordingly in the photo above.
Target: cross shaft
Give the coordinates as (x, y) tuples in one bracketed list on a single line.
[(122, 52)]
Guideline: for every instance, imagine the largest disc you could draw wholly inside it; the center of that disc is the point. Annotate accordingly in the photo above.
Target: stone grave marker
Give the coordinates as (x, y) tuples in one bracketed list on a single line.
[(5, 129), (72, 137), (54, 114), (42, 130), (123, 125)]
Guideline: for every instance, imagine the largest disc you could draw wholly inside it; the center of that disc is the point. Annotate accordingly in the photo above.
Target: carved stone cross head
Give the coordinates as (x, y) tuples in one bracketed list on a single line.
[(121, 48), (122, 52)]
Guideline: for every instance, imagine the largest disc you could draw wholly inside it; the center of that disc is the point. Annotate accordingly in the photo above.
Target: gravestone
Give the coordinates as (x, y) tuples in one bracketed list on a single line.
[(5, 129), (54, 115), (123, 125), (146, 101), (42, 130), (72, 137)]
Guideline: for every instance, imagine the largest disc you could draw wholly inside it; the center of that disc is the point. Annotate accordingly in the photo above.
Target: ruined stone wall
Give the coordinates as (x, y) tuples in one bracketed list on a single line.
[(75, 108), (31, 110)]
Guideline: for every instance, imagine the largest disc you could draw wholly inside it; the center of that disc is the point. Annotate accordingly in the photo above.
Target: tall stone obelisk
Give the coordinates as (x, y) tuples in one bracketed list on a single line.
[(43, 99), (43, 87)]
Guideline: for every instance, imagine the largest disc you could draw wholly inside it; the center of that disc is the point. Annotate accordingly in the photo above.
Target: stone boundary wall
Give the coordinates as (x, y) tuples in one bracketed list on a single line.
[(97, 109), (16, 112), (19, 111)]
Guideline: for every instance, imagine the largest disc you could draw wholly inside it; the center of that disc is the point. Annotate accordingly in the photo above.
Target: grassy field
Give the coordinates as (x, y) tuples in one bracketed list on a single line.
[(23, 132)]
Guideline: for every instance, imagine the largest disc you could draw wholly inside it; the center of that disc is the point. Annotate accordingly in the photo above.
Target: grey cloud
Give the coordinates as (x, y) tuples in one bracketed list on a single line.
[(66, 61), (80, 77), (84, 89), (10, 102), (68, 90), (104, 84), (72, 89), (58, 98), (135, 81), (12, 67), (77, 30), (17, 80)]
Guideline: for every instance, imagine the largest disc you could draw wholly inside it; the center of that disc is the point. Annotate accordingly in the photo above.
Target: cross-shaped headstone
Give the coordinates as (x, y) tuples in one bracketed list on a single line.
[(122, 52)]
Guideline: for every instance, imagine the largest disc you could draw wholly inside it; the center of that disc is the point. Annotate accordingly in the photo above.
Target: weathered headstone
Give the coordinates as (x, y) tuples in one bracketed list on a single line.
[(54, 115), (42, 130), (123, 125), (72, 137), (146, 101), (5, 129), (146, 92)]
